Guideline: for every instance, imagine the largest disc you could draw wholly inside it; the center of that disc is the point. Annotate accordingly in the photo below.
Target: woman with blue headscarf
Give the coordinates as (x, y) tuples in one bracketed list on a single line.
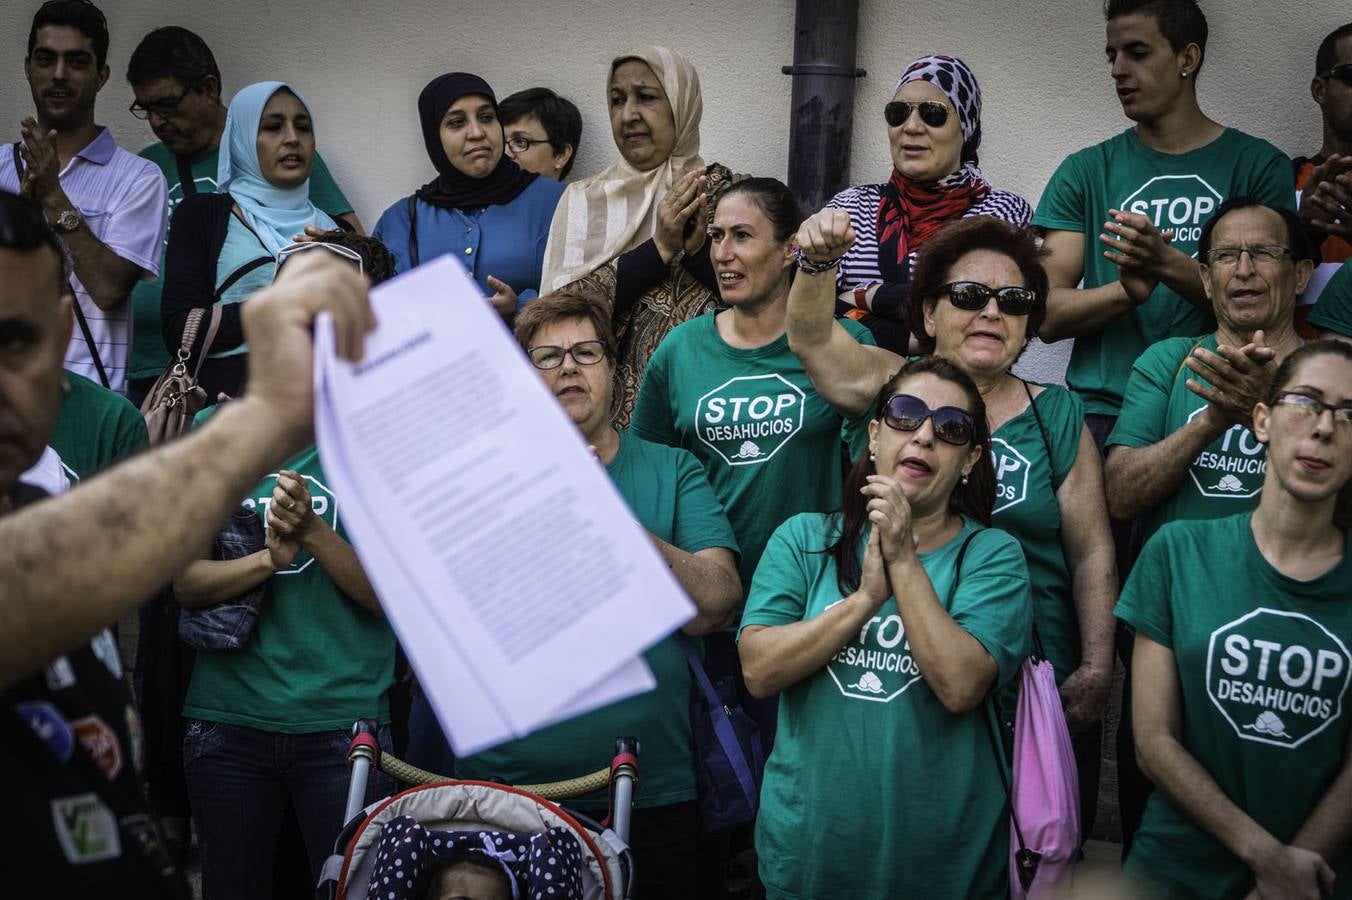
[(224, 245), (934, 131)]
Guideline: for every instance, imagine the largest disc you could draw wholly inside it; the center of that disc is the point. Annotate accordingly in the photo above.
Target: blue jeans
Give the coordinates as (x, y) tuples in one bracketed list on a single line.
[(239, 780)]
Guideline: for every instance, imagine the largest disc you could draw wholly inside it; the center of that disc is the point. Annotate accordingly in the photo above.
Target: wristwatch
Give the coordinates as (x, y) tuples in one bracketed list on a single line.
[(68, 221)]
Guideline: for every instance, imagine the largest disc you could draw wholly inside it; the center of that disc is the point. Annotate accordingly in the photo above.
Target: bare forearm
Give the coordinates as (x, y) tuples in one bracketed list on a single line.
[(780, 656), (1075, 312), (1138, 479), (955, 665), (209, 581), (1087, 543), (711, 583), (844, 372), (106, 276), (1094, 582), (339, 561), (1190, 787), (125, 536), (1181, 274), (1329, 827)]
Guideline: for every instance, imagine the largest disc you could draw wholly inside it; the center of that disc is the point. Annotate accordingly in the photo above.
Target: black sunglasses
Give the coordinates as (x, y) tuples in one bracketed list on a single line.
[(905, 412), (972, 295), (932, 112), (1343, 73)]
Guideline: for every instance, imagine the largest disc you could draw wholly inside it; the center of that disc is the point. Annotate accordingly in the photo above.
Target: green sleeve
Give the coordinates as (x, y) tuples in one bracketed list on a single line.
[(1145, 404), (1062, 207), (324, 191), (1333, 311), (1063, 415), (1144, 604), (1273, 182), (654, 419), (131, 434), (993, 603), (859, 332), (779, 589), (700, 520)]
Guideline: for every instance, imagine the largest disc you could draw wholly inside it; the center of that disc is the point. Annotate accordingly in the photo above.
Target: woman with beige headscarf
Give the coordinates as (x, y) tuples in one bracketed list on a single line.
[(632, 232)]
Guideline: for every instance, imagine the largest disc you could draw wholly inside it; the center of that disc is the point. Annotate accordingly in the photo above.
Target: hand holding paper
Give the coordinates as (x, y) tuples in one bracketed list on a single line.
[(509, 566)]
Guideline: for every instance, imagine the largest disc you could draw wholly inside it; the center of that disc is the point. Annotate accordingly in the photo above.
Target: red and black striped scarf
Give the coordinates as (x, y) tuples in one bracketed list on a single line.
[(910, 212)]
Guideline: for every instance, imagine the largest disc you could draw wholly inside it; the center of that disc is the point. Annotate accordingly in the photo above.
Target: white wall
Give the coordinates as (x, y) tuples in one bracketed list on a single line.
[(1040, 63)]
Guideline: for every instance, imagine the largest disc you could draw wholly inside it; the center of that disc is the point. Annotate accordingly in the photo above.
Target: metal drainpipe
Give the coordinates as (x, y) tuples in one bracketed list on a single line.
[(823, 73)]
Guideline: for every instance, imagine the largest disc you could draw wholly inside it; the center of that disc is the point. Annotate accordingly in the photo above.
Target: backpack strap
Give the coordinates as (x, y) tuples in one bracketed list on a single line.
[(89, 342), (722, 727), (186, 183), (988, 714), (79, 312), (413, 231)]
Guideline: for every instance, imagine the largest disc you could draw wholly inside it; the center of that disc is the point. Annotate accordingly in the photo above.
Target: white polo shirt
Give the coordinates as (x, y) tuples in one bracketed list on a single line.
[(121, 198)]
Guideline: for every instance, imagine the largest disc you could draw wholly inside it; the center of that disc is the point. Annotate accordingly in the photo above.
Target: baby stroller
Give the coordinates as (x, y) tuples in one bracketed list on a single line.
[(520, 826)]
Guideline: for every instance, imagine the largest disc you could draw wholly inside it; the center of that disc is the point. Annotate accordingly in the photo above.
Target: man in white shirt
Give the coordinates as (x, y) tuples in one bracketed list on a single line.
[(108, 205)]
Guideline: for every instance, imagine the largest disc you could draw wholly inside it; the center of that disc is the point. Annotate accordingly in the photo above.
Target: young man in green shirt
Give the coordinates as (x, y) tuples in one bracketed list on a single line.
[(1183, 447), (177, 86), (1125, 215), (1332, 315)]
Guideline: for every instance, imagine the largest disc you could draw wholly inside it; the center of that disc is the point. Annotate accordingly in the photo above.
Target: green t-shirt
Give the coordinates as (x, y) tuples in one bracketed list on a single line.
[(874, 789), (1333, 311), (771, 445), (1263, 667), (148, 356), (1178, 192), (95, 428), (1029, 470), (316, 661), (1226, 477), (667, 492)]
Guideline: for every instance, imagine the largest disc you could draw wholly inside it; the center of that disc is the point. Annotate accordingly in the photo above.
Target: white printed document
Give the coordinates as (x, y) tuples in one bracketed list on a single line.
[(511, 569)]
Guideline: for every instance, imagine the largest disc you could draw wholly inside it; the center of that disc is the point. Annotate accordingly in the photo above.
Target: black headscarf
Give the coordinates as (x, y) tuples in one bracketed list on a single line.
[(453, 189)]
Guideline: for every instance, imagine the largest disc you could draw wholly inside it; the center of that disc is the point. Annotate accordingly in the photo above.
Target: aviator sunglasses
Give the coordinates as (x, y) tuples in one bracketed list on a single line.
[(972, 296), (932, 112), (906, 412)]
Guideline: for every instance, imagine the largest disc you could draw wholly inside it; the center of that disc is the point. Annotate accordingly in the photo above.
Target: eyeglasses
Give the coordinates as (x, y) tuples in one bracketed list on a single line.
[(162, 108), (584, 353), (904, 412), (932, 112), (291, 250), (1311, 408), (1343, 73), (972, 295), (1260, 255), (519, 144)]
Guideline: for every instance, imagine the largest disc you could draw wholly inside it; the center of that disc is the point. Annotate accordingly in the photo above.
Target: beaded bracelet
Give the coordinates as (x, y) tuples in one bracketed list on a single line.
[(816, 268)]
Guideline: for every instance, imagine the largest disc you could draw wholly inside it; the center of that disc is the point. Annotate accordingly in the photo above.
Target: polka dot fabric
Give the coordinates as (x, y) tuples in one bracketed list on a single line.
[(950, 75), (546, 866)]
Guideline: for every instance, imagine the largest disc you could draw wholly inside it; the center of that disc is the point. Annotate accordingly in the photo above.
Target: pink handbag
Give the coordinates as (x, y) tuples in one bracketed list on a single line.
[(1045, 798)]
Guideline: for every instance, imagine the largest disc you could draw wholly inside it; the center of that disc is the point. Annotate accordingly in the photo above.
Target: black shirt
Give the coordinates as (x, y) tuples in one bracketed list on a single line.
[(76, 819)]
